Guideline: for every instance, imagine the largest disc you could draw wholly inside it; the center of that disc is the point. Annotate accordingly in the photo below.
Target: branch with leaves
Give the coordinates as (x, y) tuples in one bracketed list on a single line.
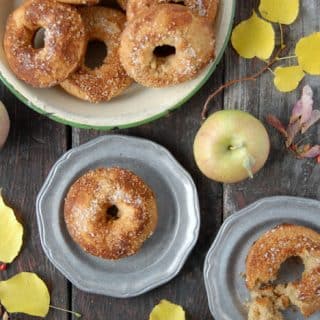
[(255, 38), (302, 118)]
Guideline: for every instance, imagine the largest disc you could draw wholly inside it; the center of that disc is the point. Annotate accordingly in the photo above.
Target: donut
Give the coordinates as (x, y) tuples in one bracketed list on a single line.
[(266, 305), (110, 79), (275, 247), (91, 218), (64, 42), (202, 8), (81, 2), (123, 4), (188, 38)]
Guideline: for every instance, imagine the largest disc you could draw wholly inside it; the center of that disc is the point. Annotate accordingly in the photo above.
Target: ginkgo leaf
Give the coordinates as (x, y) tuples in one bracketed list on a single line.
[(288, 78), (254, 37), (26, 293), (166, 310), (11, 232), (283, 11), (307, 51)]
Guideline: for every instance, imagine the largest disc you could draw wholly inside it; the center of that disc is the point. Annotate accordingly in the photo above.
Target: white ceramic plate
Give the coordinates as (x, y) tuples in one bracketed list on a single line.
[(161, 256), (136, 106)]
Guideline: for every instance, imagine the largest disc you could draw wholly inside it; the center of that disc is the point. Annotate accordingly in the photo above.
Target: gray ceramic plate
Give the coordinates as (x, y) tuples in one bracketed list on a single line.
[(225, 261), (161, 257)]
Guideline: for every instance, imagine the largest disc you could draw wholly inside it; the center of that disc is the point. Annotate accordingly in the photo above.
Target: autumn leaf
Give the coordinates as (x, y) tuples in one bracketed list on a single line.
[(166, 310), (254, 37), (302, 118), (315, 117), (288, 78), (26, 293), (277, 124), (302, 110), (312, 152), (11, 233), (307, 52), (283, 11)]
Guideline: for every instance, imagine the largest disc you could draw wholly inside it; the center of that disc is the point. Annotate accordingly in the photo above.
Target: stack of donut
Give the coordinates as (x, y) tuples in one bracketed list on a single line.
[(157, 44)]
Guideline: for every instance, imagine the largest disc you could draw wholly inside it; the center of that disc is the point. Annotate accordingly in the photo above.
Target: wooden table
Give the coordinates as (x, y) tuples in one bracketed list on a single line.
[(36, 142)]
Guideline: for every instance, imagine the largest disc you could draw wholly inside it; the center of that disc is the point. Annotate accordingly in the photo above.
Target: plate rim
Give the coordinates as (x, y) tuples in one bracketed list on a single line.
[(81, 125), (227, 224), (167, 276)]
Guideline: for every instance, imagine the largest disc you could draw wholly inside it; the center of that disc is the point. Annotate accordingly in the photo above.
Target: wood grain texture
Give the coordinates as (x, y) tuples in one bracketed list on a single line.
[(283, 174), (175, 132), (34, 144)]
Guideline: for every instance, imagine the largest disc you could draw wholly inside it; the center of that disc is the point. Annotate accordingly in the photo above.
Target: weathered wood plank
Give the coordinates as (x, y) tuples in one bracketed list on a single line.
[(283, 175), (176, 132), (34, 144)]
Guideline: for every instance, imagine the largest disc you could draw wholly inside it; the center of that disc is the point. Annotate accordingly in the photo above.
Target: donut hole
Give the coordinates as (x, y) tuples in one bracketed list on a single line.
[(164, 51), (290, 270), (96, 53), (181, 3), (113, 212), (38, 41)]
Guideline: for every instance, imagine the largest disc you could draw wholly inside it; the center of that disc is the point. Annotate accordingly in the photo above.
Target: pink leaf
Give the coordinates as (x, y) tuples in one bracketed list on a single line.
[(315, 117), (276, 123), (312, 152), (303, 108)]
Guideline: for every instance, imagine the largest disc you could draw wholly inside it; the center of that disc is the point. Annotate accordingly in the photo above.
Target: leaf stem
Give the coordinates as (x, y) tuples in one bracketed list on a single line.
[(269, 69), (286, 58), (282, 45), (78, 315)]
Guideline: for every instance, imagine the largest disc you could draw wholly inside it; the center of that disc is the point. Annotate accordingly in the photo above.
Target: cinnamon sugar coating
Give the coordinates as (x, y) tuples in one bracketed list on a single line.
[(110, 79), (123, 4), (80, 2), (171, 25), (87, 203), (275, 247), (202, 8), (64, 42)]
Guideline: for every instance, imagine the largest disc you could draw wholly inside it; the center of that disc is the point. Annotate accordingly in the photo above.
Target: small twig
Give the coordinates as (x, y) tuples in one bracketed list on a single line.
[(230, 83), (282, 45)]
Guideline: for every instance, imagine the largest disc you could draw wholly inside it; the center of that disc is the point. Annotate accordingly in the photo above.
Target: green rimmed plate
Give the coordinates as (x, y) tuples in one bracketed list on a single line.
[(136, 106)]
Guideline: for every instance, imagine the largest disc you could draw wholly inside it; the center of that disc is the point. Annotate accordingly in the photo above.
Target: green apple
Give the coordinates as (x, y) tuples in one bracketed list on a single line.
[(231, 146), (4, 124)]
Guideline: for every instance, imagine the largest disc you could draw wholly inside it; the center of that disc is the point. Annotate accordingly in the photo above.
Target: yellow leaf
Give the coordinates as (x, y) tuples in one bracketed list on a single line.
[(307, 51), (166, 310), (254, 38), (280, 11), (288, 78), (11, 232), (25, 293)]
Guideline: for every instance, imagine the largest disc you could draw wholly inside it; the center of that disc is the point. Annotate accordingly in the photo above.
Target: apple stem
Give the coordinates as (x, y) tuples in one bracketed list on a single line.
[(239, 146), (248, 163)]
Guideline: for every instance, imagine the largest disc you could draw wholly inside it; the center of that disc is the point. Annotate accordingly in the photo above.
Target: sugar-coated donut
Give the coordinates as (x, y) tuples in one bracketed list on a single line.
[(191, 37), (92, 227), (64, 42), (275, 247), (109, 79), (123, 4), (202, 8)]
